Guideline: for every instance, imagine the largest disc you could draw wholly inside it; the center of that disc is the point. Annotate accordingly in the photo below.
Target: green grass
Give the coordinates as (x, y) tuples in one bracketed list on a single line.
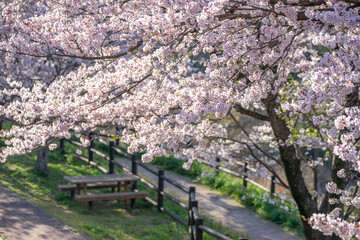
[(254, 198), (109, 219)]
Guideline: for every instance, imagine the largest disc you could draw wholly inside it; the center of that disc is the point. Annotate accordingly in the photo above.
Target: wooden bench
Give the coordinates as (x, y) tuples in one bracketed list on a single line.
[(109, 196), (72, 187)]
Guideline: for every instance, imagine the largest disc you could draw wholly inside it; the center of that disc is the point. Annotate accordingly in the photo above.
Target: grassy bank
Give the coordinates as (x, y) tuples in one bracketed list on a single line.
[(109, 220)]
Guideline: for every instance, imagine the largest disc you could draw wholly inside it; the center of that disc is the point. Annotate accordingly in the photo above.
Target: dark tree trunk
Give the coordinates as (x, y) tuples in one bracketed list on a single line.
[(292, 167), (42, 159), (62, 146)]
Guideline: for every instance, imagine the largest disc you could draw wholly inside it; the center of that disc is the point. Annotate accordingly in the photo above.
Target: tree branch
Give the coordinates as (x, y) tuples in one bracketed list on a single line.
[(251, 113)]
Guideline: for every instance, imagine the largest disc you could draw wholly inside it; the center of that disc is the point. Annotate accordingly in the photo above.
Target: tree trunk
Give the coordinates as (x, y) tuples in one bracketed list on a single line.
[(42, 159), (292, 167)]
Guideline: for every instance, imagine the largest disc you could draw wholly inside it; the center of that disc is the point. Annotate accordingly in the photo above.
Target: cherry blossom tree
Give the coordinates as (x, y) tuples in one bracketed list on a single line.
[(28, 70), (169, 71)]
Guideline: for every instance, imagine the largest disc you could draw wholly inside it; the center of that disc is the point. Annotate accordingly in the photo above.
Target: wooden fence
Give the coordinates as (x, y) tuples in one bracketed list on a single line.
[(194, 221), (244, 176)]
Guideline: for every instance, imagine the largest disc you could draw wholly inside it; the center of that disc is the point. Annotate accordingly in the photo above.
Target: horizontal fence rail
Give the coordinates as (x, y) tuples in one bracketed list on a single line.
[(214, 233), (194, 222)]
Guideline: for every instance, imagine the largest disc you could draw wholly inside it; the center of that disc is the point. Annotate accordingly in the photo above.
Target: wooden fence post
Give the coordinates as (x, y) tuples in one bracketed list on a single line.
[(134, 171), (160, 199), (245, 175), (117, 136), (199, 232), (272, 186), (194, 203), (62, 146), (191, 190), (217, 170), (112, 157), (90, 153), (133, 164), (191, 221)]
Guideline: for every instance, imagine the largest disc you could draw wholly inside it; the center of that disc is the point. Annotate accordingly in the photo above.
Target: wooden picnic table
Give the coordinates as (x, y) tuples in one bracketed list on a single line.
[(121, 179)]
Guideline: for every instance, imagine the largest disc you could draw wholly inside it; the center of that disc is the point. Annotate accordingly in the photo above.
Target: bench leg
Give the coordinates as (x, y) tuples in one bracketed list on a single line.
[(126, 190), (90, 206), (78, 186), (118, 189), (133, 188), (84, 192), (72, 194)]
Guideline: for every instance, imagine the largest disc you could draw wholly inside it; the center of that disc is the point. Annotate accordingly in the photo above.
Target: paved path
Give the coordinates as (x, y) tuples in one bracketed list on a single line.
[(22, 220), (230, 213)]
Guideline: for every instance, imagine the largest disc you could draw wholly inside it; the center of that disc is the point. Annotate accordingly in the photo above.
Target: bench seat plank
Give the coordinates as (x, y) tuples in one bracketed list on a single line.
[(110, 196)]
